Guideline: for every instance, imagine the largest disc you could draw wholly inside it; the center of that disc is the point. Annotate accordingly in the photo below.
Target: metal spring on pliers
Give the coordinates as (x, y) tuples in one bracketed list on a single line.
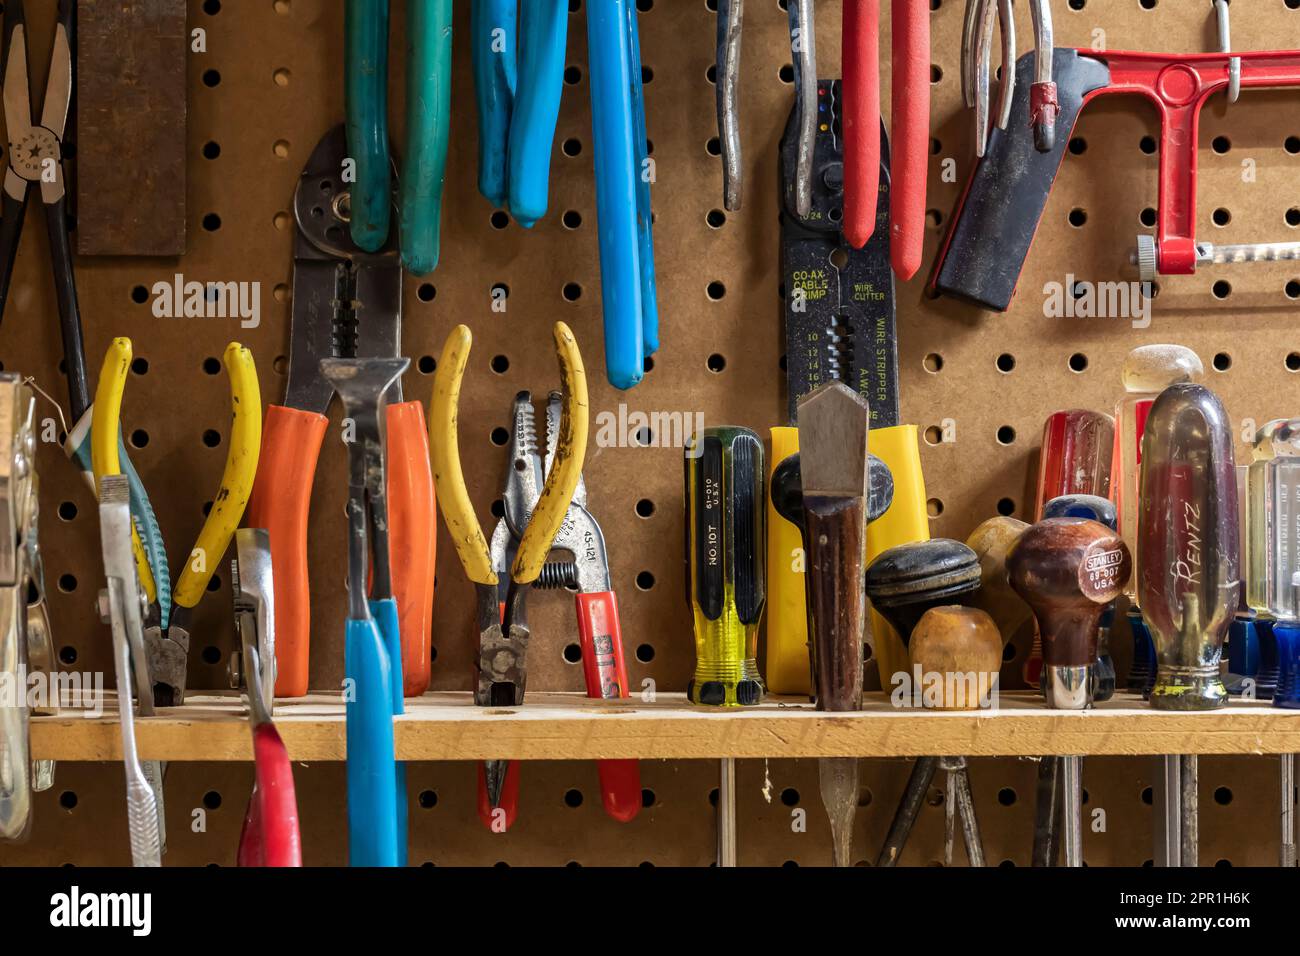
[(557, 575)]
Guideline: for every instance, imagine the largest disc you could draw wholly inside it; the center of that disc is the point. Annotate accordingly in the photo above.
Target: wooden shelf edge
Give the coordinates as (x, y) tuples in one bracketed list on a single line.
[(446, 726)]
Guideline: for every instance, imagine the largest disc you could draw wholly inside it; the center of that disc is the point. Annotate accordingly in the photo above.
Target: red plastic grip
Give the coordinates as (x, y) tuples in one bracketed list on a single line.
[(909, 156), (271, 835), (509, 798), (605, 673), (860, 116), (280, 503), (413, 537)]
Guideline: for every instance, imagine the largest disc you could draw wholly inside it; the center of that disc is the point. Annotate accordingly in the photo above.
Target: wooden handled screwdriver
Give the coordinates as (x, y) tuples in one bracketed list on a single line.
[(1069, 570), (833, 426)]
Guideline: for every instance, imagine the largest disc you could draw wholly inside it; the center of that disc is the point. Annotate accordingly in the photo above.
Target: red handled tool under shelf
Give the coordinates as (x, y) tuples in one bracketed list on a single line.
[(999, 213)]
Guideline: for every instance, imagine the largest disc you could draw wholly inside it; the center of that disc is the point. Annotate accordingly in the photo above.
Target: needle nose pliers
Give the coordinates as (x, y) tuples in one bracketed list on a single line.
[(428, 115), (503, 628)]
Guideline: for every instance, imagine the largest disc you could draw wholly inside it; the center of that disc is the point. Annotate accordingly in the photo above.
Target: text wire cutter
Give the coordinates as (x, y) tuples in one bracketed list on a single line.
[(503, 630), (587, 575)]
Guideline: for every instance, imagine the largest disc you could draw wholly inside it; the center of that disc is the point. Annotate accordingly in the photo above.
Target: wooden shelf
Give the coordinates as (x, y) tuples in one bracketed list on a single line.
[(446, 726)]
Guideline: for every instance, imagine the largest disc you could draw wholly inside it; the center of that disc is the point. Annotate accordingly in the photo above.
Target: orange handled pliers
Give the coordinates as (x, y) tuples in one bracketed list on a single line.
[(346, 304)]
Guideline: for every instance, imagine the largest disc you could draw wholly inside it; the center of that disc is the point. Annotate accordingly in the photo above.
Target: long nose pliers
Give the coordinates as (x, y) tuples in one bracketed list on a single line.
[(428, 116)]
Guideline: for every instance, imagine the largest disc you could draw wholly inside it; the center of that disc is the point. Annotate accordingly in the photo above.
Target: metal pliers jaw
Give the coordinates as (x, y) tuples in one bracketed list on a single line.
[(252, 668), (977, 68)]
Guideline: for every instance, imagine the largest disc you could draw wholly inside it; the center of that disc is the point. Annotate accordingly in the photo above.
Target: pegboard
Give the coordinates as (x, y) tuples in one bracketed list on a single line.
[(270, 84)]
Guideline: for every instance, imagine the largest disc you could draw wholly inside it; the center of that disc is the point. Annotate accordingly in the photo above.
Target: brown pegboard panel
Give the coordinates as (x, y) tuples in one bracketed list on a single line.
[(270, 86)]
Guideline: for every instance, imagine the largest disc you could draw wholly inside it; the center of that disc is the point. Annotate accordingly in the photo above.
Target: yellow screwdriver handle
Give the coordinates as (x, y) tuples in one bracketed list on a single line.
[(105, 429), (570, 455), (448, 478), (236, 480)]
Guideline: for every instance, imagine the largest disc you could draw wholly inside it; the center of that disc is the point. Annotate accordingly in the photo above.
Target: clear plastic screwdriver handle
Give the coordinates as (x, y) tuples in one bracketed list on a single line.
[(1273, 507), (1188, 541)]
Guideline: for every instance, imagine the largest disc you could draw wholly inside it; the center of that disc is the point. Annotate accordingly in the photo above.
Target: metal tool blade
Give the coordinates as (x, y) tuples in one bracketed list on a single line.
[(839, 789)]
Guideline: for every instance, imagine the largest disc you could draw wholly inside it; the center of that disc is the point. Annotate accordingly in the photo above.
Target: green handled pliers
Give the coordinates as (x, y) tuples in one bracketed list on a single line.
[(428, 114)]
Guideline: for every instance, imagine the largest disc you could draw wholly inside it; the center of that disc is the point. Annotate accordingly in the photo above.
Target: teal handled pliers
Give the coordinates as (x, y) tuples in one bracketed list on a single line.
[(428, 114), (518, 78)]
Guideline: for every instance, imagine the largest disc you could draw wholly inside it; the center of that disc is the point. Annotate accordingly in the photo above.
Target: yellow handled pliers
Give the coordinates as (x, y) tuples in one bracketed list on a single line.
[(168, 647), (503, 632)]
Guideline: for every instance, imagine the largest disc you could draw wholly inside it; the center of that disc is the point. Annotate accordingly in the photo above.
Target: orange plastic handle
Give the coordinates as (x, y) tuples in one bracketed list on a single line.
[(605, 673), (281, 502), (413, 539)]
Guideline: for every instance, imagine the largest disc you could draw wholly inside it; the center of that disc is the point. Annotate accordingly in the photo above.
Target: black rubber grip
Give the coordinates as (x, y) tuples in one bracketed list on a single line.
[(996, 220)]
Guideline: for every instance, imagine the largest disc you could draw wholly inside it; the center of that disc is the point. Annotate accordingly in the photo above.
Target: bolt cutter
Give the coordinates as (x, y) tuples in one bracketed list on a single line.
[(503, 628), (428, 113), (167, 643), (518, 60)]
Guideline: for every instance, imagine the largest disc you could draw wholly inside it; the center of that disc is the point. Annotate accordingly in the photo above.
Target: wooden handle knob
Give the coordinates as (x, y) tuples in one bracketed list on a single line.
[(958, 651)]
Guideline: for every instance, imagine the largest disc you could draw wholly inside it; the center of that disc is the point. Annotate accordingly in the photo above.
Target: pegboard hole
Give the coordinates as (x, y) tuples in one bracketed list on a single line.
[(645, 508), (1148, 217), (1006, 506), (500, 292), (1221, 144), (1147, 4), (211, 438), (645, 653), (68, 800), (1222, 362), (427, 364), (933, 219), (428, 799), (212, 222), (573, 653), (1078, 4), (1221, 216), (211, 655), (933, 363), (139, 295), (1146, 796), (1006, 362), (1222, 289), (934, 507), (1078, 362), (1147, 144), (790, 797), (499, 219), (140, 366), (1078, 145), (648, 798), (1008, 652), (1293, 362), (1006, 435), (67, 583), (1293, 216), (713, 147), (786, 73), (68, 654), (67, 510), (1078, 217), (572, 75), (427, 292), (717, 362), (212, 800), (936, 73), (1293, 289), (934, 798), (716, 218), (500, 364), (500, 436), (1007, 797), (212, 7), (139, 438), (645, 581), (211, 78), (716, 290), (936, 146), (573, 798), (1223, 796), (647, 75), (572, 146), (572, 219), (1292, 144), (572, 291), (280, 149), (211, 149), (933, 435), (281, 77)]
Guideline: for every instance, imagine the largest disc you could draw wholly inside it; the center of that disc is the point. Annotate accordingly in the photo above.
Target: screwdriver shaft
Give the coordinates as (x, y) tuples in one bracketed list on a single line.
[(1288, 855), (727, 812)]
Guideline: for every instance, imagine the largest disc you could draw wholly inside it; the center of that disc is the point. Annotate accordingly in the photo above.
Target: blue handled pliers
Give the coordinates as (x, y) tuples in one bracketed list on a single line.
[(623, 176), (518, 78)]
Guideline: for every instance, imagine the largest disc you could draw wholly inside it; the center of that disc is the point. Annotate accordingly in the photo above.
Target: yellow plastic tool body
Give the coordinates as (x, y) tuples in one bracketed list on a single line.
[(561, 481), (906, 521)]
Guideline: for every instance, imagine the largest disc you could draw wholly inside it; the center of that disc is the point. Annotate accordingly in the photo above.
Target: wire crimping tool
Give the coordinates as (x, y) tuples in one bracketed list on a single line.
[(518, 55), (587, 575), (503, 627), (167, 638), (428, 117), (25, 644), (270, 834), (347, 303)]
